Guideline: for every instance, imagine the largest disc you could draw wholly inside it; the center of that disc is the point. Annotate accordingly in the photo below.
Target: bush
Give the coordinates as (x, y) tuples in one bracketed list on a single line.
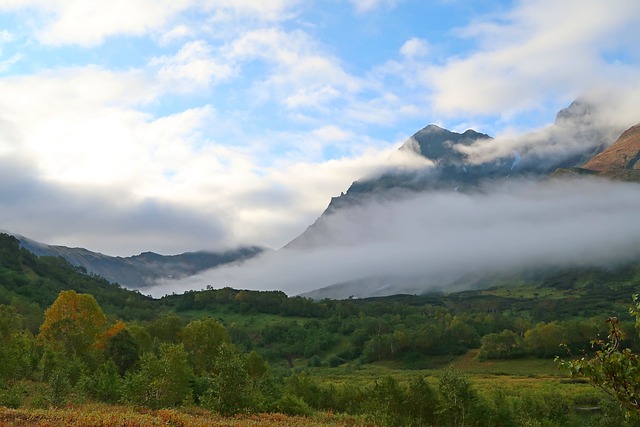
[(314, 362), (292, 405), (334, 361), (105, 385), (12, 396)]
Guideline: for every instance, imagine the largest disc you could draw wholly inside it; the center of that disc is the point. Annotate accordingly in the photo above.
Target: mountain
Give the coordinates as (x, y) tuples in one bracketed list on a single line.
[(450, 166), (579, 140), (142, 270)]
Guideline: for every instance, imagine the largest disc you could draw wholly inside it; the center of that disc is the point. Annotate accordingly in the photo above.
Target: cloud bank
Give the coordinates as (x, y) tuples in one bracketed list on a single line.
[(429, 240)]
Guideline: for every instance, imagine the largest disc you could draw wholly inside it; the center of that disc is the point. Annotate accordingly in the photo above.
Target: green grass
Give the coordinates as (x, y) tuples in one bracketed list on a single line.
[(527, 292), (526, 367), (511, 376)]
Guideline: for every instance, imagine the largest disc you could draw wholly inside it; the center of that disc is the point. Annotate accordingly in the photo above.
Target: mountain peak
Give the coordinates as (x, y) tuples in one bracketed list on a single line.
[(577, 110), (437, 143), (433, 128)]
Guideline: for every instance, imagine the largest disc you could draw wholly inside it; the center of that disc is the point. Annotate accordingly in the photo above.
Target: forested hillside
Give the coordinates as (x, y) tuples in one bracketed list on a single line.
[(68, 337)]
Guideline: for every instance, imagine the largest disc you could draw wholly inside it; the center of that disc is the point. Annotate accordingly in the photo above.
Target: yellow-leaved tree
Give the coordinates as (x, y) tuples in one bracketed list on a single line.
[(74, 324)]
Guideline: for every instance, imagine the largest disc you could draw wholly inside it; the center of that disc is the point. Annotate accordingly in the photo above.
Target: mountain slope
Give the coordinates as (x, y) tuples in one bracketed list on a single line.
[(464, 163), (620, 161), (622, 154), (141, 270), (453, 168)]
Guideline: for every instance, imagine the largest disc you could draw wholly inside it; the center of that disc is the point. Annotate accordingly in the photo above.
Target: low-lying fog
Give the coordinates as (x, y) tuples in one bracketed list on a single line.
[(440, 236)]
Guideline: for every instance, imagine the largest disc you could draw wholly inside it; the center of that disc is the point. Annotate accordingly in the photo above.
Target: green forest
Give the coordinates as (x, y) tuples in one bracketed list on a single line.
[(482, 357)]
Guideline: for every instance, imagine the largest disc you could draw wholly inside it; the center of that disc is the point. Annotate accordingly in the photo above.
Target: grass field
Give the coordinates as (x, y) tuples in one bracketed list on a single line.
[(519, 376)]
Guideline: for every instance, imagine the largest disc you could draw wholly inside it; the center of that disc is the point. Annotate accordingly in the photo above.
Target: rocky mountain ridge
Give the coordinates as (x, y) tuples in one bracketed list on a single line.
[(452, 170)]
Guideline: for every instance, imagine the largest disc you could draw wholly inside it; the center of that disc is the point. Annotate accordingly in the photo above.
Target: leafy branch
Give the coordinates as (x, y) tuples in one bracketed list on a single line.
[(613, 369)]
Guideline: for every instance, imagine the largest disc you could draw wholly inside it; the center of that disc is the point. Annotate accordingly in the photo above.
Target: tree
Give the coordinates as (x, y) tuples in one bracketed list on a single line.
[(458, 397), (105, 384), (504, 345), (161, 381), (256, 366), (613, 369), (388, 401), (202, 339), (16, 346), (123, 350), (166, 328), (420, 403), (230, 388), (544, 339), (74, 324)]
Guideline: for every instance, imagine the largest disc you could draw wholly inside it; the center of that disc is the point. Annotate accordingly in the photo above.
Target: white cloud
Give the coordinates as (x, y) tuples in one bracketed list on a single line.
[(539, 50), (89, 22), (301, 75), (193, 67), (386, 109), (178, 32), (10, 62), (6, 36), (363, 6), (332, 133), (414, 48)]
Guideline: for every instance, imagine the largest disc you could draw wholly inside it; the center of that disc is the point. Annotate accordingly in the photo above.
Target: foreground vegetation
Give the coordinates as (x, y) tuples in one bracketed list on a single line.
[(103, 415), (70, 340)]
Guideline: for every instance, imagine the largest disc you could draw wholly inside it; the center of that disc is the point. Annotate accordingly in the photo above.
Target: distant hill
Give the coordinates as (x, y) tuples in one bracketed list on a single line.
[(137, 272), (32, 283)]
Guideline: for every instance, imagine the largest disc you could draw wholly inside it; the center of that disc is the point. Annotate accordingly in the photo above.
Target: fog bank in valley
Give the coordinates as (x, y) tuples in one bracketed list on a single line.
[(422, 241)]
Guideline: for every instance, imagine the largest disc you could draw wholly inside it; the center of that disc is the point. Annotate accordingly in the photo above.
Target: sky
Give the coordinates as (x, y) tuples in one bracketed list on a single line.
[(182, 125)]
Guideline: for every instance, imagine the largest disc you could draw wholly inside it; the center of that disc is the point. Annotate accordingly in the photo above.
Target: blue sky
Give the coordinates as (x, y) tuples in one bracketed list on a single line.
[(200, 124)]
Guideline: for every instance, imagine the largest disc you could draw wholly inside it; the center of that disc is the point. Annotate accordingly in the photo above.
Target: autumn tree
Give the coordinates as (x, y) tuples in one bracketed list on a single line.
[(74, 324)]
